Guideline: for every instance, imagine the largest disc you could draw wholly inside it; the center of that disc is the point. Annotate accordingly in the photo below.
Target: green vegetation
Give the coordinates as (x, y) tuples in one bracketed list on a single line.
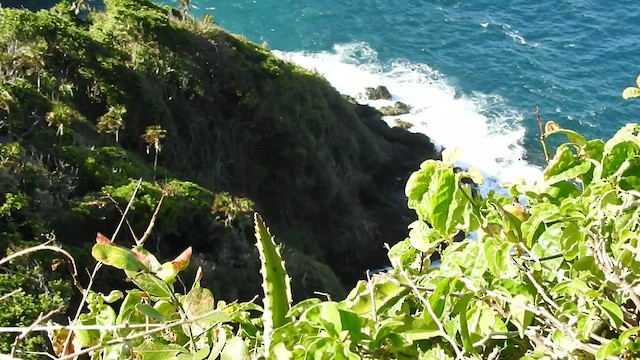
[(85, 97), (553, 273)]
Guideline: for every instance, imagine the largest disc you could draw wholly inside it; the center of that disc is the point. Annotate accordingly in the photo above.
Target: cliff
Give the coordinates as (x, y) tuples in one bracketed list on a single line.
[(89, 104)]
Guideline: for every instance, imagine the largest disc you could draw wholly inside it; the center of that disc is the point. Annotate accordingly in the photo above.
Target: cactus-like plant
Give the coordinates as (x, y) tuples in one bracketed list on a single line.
[(275, 282)]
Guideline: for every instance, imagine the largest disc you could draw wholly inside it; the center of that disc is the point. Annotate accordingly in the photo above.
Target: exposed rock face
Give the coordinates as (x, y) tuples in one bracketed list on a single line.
[(399, 108), (403, 124), (378, 93)]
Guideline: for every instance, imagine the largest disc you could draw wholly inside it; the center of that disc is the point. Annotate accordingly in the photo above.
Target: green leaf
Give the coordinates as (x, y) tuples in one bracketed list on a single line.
[(86, 338), (128, 306), (417, 189), (220, 341), (520, 317), (572, 136), (116, 256), (571, 239), (613, 312), (153, 285), (235, 349), (424, 238), (152, 350), (440, 202), (149, 311), (167, 272), (498, 255), (146, 258), (631, 92), (607, 351)]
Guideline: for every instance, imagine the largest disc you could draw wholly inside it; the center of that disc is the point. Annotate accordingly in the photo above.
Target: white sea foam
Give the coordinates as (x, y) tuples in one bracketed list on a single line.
[(487, 131)]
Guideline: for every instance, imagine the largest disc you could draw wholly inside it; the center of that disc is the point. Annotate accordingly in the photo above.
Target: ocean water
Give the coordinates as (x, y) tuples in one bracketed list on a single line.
[(473, 71)]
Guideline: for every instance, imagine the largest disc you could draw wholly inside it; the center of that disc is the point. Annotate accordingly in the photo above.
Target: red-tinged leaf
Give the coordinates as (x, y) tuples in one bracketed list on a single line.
[(551, 126), (101, 239), (182, 260)]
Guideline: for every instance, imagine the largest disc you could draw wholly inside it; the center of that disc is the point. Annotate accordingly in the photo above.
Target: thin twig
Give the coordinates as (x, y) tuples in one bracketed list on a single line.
[(373, 298), (427, 304), (543, 135), (25, 332), (6, 296), (541, 291), (605, 264), (146, 333), (44, 246), (126, 210), (85, 293), (152, 222), (117, 206), (539, 311)]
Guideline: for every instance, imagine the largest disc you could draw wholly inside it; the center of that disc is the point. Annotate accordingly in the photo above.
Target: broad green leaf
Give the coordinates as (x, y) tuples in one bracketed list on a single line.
[(442, 199), (86, 338), (562, 190), (146, 258), (417, 188), (417, 329), (298, 309), (235, 349), (614, 347), (630, 92), (152, 285), (167, 272), (424, 238), (153, 350), (572, 239), (627, 334), (114, 295), (613, 312), (116, 256), (165, 308), (461, 308), (572, 136), (520, 317), (128, 306), (280, 351), (615, 157), (540, 214), (565, 166), (498, 255), (149, 311), (219, 342)]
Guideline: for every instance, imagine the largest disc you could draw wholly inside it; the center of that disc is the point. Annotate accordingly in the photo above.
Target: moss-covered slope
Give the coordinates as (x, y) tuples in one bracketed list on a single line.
[(77, 96)]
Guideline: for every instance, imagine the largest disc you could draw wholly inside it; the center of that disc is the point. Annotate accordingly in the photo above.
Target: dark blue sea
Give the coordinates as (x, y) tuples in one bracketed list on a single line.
[(473, 71)]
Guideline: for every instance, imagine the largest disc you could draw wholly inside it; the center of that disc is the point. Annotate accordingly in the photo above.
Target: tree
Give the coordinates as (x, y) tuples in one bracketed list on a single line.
[(112, 122), (152, 136)]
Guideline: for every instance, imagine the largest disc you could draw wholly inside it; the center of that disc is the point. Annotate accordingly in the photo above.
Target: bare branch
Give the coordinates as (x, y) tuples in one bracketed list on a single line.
[(26, 331), (127, 338)]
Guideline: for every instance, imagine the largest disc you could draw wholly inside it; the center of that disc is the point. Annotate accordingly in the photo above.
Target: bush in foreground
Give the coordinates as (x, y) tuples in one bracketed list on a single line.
[(553, 273)]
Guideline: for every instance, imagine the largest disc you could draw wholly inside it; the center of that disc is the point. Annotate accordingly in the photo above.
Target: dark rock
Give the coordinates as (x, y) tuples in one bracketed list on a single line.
[(385, 198), (350, 98), (399, 108), (378, 93), (403, 124)]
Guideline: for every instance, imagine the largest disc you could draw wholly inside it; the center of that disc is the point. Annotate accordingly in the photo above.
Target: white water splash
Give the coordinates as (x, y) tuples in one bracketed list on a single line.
[(487, 131)]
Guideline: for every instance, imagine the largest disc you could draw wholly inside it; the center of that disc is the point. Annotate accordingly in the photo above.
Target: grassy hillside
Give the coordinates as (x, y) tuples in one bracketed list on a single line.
[(232, 128)]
